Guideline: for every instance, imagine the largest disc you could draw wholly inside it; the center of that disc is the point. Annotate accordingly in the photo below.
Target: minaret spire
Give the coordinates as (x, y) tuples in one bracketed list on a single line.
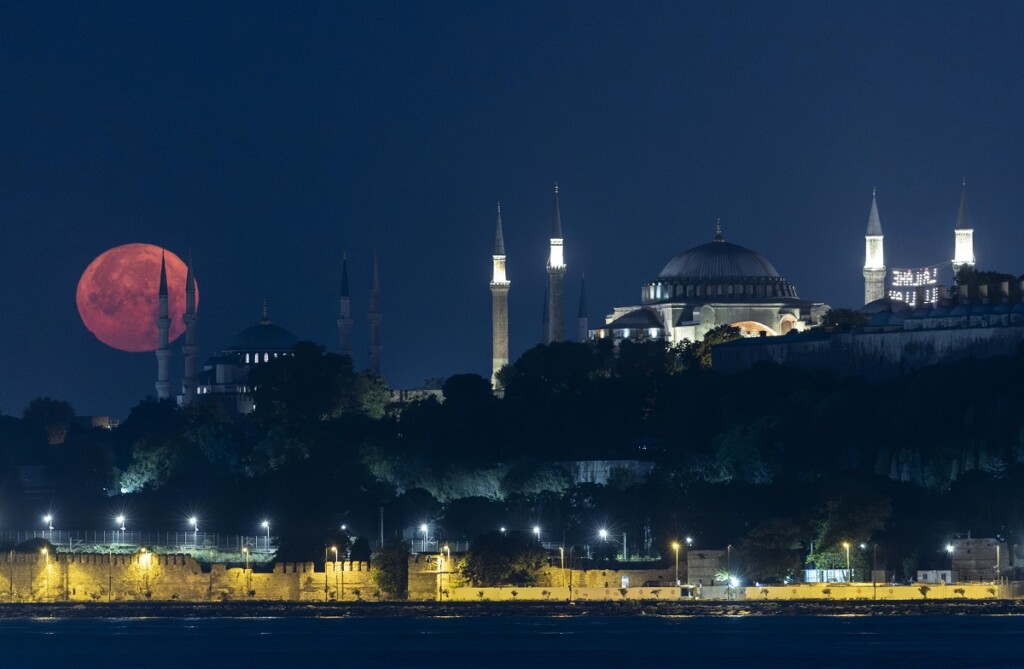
[(556, 276), (583, 325), (963, 251), (163, 325), (874, 255), (499, 304), (191, 348), (374, 317), (344, 312)]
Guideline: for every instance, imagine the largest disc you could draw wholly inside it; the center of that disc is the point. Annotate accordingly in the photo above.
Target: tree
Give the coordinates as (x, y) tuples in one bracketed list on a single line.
[(698, 354), (390, 570), (773, 549), (843, 320), (503, 558), (50, 417), (534, 478)]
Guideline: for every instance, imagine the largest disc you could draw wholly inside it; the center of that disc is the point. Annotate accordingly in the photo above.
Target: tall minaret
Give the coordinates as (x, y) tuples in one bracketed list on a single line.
[(874, 258), (344, 312), (190, 349), (373, 318), (163, 325), (556, 276), (544, 313), (963, 253), (499, 304), (582, 324)]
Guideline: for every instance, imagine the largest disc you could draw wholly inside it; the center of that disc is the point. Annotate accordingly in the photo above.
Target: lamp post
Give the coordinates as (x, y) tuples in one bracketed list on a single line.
[(675, 547), (266, 525), (48, 519), (195, 531), (335, 549), (46, 557), (447, 564), (120, 521), (536, 531), (849, 575), (248, 579), (425, 529), (561, 555)]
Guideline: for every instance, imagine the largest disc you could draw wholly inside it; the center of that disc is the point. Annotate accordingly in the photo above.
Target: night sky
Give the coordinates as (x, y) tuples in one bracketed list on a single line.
[(273, 137)]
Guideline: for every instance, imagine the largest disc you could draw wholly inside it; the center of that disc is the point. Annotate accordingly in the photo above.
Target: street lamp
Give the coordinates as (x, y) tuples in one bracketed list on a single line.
[(248, 577), (266, 525), (48, 519), (536, 530), (120, 521), (849, 574), (335, 549), (195, 531), (425, 529), (46, 556), (675, 547), (447, 563), (561, 554)]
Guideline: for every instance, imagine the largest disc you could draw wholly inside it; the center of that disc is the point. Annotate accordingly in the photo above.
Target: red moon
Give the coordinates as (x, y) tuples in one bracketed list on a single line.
[(118, 296)]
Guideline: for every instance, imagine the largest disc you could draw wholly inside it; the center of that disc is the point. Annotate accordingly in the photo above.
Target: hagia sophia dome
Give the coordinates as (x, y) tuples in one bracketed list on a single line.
[(721, 270), (713, 284)]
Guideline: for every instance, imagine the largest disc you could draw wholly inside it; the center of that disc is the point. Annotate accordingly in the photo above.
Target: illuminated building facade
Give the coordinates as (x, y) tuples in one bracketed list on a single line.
[(713, 284)]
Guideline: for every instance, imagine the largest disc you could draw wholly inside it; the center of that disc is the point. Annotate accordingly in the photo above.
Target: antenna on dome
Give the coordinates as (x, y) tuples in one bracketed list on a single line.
[(718, 230)]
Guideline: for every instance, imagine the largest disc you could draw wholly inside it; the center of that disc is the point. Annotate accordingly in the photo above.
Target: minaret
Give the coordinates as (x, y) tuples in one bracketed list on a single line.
[(963, 253), (499, 304), (874, 258), (583, 326), (544, 329), (344, 312), (373, 318), (190, 349), (163, 325), (556, 276)]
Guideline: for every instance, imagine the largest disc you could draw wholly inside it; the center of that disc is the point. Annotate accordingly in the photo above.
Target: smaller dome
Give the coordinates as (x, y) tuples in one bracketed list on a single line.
[(885, 305)]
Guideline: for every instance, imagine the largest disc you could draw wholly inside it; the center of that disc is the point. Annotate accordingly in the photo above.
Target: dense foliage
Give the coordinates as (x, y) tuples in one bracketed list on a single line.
[(783, 465)]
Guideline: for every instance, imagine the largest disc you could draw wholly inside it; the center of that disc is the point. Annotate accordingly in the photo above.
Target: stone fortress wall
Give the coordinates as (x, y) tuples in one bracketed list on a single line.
[(36, 577), (31, 577)]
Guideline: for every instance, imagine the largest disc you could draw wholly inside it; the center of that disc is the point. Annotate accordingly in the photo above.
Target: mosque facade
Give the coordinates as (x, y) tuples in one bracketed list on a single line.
[(714, 284)]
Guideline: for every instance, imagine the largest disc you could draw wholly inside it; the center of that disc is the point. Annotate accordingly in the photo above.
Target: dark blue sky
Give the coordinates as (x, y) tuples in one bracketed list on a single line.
[(274, 137)]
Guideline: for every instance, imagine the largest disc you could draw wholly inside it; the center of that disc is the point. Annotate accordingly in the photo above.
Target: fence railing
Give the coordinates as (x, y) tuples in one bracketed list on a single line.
[(69, 540)]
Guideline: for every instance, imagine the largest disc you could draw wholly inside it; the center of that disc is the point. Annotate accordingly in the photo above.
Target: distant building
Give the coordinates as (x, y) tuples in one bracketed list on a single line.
[(981, 321), (713, 284), (225, 377)]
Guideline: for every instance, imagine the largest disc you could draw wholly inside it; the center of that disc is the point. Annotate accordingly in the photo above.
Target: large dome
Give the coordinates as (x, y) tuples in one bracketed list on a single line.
[(263, 337), (718, 272), (718, 260)]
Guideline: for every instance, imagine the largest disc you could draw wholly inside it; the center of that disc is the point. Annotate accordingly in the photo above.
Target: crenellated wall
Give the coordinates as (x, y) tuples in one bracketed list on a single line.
[(31, 577)]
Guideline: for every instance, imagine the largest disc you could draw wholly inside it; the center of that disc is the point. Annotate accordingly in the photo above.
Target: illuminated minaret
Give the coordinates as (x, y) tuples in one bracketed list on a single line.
[(163, 325), (499, 304), (344, 312), (556, 276), (963, 252), (544, 329), (190, 349), (582, 324), (373, 318), (874, 258)]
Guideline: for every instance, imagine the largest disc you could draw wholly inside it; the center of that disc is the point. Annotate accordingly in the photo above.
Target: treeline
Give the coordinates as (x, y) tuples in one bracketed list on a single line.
[(778, 463)]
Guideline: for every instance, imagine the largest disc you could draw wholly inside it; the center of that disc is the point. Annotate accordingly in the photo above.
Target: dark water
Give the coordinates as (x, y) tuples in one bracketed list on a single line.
[(494, 643)]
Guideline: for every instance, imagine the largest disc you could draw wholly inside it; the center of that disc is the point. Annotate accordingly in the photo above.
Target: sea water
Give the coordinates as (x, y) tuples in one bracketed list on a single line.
[(496, 642)]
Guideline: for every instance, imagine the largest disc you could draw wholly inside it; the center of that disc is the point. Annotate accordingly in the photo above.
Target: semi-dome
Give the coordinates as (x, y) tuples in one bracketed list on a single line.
[(718, 260)]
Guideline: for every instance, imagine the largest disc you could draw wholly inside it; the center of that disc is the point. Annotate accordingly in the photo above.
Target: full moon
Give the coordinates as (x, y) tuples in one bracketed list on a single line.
[(118, 296)]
